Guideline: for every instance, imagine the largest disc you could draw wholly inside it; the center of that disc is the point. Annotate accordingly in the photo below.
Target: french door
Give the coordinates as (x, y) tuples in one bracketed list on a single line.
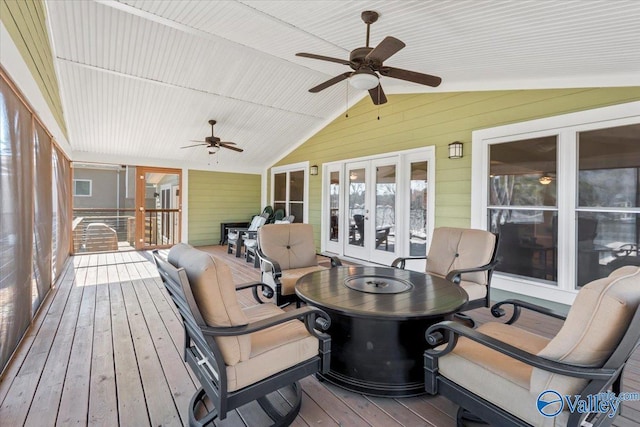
[(378, 209), (371, 210)]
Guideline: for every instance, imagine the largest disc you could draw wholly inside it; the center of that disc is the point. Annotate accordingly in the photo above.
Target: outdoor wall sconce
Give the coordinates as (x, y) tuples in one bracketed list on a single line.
[(313, 170), (455, 150)]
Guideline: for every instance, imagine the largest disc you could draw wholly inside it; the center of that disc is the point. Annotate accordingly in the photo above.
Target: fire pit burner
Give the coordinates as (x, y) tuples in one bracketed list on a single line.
[(377, 284)]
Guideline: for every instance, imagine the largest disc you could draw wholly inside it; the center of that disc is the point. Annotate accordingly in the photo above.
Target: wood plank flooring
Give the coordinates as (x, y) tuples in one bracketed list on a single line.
[(106, 349)]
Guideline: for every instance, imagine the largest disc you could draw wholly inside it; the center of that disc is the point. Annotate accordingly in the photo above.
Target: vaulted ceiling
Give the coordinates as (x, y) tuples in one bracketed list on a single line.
[(141, 78)]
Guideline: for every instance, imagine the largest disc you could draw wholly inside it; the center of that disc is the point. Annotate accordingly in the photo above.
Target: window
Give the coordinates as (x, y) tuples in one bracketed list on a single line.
[(564, 194), (608, 230), (522, 206), (289, 190), (82, 187)]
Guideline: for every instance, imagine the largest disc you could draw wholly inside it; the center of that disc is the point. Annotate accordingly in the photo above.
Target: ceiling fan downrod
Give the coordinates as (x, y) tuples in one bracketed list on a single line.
[(369, 17)]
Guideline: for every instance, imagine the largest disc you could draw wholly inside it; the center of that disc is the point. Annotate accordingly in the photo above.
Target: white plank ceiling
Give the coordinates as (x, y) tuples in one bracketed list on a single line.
[(141, 78)]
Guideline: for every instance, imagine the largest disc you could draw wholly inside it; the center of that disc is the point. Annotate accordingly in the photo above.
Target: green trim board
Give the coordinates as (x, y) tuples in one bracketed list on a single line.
[(437, 119), (26, 22), (217, 197)]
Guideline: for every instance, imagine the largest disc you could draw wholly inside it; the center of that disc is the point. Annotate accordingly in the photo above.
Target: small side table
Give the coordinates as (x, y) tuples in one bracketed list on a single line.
[(225, 226)]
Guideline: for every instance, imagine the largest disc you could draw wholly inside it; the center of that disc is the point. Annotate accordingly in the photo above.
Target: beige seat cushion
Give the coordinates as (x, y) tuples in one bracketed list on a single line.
[(273, 349), (215, 294), (290, 277), (291, 245), (456, 248), (598, 318), (494, 376)]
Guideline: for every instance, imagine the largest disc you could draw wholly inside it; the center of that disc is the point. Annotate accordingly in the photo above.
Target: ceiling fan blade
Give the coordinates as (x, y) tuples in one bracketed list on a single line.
[(195, 145), (227, 142), (330, 82), (224, 144), (385, 49), (377, 95), (411, 76), (323, 58)]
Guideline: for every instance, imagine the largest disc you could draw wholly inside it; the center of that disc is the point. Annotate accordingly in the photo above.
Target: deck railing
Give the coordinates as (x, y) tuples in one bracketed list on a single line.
[(99, 229)]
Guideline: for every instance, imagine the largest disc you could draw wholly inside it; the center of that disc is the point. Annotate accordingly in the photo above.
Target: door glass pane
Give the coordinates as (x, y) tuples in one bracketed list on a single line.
[(296, 186), (334, 205), (357, 207), (418, 210), (608, 176), (385, 207)]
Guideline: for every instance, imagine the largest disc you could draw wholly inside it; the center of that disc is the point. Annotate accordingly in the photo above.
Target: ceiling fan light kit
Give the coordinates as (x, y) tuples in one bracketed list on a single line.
[(364, 80), (367, 65)]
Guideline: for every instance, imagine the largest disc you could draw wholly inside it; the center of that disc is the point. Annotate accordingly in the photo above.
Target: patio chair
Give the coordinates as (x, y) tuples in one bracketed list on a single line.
[(240, 355), (506, 375), (286, 252), (235, 236), (464, 256), (251, 241), (277, 216)]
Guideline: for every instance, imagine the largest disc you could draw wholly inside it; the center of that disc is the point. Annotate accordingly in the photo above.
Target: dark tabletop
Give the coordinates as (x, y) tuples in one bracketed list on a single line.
[(429, 296)]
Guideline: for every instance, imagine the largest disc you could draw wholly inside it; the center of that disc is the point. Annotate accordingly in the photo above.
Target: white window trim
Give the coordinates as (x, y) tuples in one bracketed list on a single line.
[(566, 126), (90, 181), (294, 167)]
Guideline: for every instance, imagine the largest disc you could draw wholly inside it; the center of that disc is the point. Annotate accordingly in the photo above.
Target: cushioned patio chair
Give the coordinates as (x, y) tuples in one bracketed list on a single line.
[(250, 240), (235, 236), (287, 252), (463, 256), (506, 375), (240, 355)]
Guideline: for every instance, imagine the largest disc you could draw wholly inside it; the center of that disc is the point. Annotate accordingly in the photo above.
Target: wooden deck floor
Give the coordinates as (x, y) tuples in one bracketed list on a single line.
[(105, 350)]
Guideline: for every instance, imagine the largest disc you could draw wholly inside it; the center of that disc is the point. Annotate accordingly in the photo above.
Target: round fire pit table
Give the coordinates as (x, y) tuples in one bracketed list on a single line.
[(378, 319)]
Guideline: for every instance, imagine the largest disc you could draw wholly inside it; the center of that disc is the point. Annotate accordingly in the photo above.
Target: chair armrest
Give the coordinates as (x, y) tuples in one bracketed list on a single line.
[(497, 311), (250, 234), (401, 261), (455, 330), (314, 318), (249, 285), (276, 271), (455, 275), (264, 288), (335, 261)]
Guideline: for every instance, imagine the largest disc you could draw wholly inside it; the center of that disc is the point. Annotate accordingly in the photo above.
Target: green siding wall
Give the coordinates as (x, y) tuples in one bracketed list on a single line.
[(26, 22), (216, 197), (419, 120)]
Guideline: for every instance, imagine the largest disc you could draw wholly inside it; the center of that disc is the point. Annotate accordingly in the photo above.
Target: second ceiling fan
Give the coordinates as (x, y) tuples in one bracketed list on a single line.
[(367, 62), (214, 143)]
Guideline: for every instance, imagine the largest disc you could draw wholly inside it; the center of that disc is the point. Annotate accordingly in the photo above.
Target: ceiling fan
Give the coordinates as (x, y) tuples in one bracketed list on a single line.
[(214, 143), (367, 65)]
